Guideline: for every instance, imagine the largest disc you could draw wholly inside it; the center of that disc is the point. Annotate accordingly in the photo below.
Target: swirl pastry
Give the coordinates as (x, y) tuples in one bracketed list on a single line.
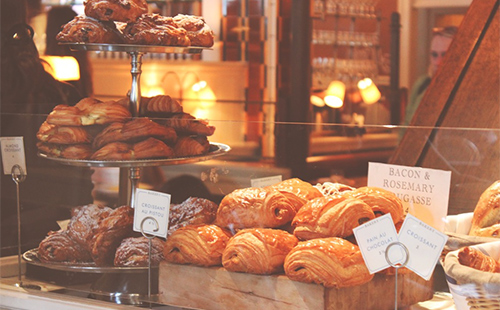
[(254, 207), (258, 250), (59, 247), (474, 258), (486, 217), (125, 11), (186, 124), (382, 201), (134, 130), (108, 236), (155, 29), (331, 262), (134, 252), (86, 29), (330, 216), (70, 151), (88, 111), (62, 134), (84, 224), (297, 191), (198, 32), (191, 211), (191, 146), (200, 245), (149, 148)]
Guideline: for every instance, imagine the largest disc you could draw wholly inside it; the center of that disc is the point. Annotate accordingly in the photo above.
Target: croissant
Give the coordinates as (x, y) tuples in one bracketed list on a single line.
[(331, 262), (476, 259), (200, 245), (297, 191), (70, 151), (134, 252), (382, 201), (149, 148), (486, 218), (191, 146), (254, 207), (59, 247), (62, 135), (258, 250), (330, 216), (186, 124), (115, 10)]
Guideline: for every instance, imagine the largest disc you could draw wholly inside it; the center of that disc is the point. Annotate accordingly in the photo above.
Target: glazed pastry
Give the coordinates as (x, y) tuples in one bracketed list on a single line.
[(258, 250), (84, 29), (328, 188), (198, 32), (70, 151), (486, 217), (149, 148), (476, 259), (134, 130), (191, 146), (87, 112), (331, 262), (382, 201), (115, 10), (254, 207), (83, 226), (155, 29), (62, 135), (108, 236), (191, 211), (134, 252), (186, 124), (59, 247), (200, 245), (330, 216), (297, 191)]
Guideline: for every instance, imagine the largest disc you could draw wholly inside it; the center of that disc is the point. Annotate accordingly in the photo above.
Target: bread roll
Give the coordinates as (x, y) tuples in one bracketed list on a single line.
[(486, 218)]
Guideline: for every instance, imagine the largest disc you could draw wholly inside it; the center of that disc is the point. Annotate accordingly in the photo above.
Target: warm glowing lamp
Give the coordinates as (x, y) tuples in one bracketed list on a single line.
[(335, 94), (205, 93), (151, 91), (317, 101), (369, 91), (63, 68)]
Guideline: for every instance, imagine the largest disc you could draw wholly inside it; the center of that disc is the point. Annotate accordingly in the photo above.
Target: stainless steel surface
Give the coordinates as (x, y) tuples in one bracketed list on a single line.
[(131, 48), (216, 149)]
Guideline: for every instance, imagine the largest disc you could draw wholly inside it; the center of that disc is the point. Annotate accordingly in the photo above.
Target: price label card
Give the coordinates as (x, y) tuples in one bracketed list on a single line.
[(424, 244), (373, 238), (267, 181), (151, 212), (424, 192), (13, 154)]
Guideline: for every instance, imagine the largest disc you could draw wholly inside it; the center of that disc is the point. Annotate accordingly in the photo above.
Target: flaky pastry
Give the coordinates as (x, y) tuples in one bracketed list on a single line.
[(115, 10), (486, 218), (474, 258), (297, 191)]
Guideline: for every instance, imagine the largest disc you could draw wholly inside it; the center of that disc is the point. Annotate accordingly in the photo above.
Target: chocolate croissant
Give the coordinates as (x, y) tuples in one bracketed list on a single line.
[(486, 218), (258, 250), (200, 245), (382, 201), (474, 258), (254, 207), (297, 191), (331, 262), (85, 29), (331, 216)]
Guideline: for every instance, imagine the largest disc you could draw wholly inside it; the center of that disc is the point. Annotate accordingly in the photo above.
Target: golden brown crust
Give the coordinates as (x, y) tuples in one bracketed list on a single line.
[(84, 29), (258, 250), (297, 191), (63, 134), (155, 29), (200, 245), (254, 207), (486, 217), (146, 149), (331, 216), (474, 258), (186, 124), (198, 32), (60, 247), (191, 211), (331, 262), (71, 151), (134, 252), (115, 10), (382, 201), (191, 146)]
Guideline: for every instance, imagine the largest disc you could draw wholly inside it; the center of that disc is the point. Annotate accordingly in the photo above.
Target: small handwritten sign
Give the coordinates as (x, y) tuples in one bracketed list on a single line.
[(424, 192), (151, 211), (13, 154), (267, 181)]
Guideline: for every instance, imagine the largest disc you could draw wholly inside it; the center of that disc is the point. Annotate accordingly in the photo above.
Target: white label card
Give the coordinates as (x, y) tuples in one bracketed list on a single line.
[(424, 192), (151, 211), (373, 238), (267, 181), (424, 245), (13, 154)]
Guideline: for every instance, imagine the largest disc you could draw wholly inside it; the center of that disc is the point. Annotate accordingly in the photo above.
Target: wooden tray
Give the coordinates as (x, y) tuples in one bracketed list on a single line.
[(218, 289)]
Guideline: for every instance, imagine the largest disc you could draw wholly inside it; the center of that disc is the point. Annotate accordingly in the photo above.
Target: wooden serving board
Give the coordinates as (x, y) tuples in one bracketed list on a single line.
[(218, 289)]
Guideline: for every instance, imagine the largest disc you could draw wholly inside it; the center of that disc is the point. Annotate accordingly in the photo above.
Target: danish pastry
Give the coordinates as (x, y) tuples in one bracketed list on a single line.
[(474, 258), (134, 252), (258, 250), (198, 32), (331, 262), (84, 29), (200, 245), (486, 218), (125, 11), (59, 247), (155, 29), (382, 201)]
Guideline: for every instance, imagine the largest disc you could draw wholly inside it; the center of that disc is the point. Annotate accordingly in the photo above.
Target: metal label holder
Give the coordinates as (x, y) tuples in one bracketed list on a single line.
[(397, 266)]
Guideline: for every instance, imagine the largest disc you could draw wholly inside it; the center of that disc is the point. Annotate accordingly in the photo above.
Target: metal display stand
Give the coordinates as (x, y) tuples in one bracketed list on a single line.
[(397, 266)]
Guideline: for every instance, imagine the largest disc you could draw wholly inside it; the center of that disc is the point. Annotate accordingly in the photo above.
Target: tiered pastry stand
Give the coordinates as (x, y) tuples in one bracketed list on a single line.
[(130, 172)]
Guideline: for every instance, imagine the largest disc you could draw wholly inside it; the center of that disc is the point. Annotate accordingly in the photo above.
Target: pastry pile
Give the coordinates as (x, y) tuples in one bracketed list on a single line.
[(474, 258), (291, 227), (96, 130), (486, 218), (128, 22)]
